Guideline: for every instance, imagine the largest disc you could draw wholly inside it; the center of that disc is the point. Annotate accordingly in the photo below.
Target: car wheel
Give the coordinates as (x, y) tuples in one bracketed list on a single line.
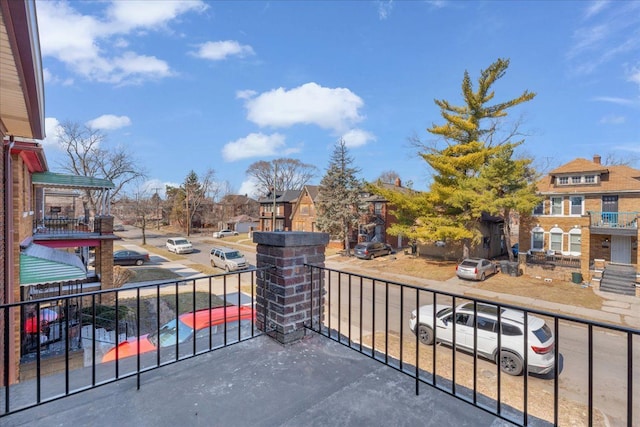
[(482, 277), (139, 262), (510, 363), (425, 334)]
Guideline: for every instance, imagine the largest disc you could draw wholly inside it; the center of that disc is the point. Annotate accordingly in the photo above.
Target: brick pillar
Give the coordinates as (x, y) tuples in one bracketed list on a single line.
[(286, 296), (585, 253)]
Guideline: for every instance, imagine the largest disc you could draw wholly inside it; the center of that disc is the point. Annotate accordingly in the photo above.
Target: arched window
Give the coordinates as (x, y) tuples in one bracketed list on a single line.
[(537, 239), (575, 241), (555, 239)]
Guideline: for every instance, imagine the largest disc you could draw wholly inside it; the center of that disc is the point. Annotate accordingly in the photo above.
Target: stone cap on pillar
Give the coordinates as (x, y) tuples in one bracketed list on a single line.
[(290, 238)]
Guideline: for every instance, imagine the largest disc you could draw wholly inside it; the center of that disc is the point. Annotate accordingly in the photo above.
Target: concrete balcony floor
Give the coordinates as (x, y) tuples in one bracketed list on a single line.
[(315, 382)]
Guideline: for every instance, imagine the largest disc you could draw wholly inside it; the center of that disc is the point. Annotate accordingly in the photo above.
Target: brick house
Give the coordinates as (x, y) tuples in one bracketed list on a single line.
[(283, 203), (589, 216), (377, 218), (303, 216)]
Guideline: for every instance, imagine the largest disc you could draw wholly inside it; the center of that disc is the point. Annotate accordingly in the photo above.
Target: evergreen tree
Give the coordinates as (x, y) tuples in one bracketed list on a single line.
[(462, 186), (338, 200)]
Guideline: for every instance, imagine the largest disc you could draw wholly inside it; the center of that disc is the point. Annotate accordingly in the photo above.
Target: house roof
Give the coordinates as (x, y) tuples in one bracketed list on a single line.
[(285, 196), (22, 85), (614, 178), (32, 154), (41, 264), (49, 179)]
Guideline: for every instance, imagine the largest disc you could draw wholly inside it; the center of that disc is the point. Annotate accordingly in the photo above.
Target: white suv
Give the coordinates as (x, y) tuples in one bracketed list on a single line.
[(540, 339), (179, 245)]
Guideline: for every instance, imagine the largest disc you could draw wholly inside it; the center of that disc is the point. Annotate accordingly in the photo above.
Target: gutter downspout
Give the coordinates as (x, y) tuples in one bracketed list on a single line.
[(8, 256)]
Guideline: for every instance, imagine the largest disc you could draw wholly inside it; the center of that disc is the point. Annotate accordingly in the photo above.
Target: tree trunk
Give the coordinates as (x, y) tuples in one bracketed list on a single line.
[(507, 234)]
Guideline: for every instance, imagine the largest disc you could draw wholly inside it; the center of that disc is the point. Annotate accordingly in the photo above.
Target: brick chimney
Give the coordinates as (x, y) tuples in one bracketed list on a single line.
[(398, 182), (597, 159)]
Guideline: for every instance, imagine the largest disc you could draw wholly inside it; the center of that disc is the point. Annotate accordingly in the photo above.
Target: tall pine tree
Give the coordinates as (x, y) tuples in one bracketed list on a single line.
[(462, 188), (338, 201)]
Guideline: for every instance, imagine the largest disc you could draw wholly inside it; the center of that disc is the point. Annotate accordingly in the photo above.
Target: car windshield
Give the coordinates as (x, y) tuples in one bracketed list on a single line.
[(444, 312), (170, 333), (469, 263), (181, 242), (233, 255), (543, 334)]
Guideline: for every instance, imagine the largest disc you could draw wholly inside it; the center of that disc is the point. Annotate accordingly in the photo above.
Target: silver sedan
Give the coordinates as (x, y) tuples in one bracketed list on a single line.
[(475, 269)]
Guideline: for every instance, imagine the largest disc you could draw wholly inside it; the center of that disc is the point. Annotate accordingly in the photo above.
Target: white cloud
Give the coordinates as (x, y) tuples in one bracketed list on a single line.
[(109, 122), (153, 186), (613, 120), (245, 94), (91, 46), (329, 108), (52, 129), (250, 188), (253, 145), (217, 51), (357, 138), (614, 100), (130, 15), (384, 9)]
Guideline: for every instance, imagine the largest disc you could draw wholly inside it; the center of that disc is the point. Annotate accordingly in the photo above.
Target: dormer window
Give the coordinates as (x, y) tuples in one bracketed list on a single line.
[(563, 180), (575, 179), (590, 179)]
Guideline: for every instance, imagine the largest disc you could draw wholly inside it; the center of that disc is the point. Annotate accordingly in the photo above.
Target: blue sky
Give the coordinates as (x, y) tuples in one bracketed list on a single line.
[(193, 85)]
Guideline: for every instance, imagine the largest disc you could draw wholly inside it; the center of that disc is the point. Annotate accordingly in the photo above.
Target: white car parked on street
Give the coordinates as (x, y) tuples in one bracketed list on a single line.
[(222, 233), (540, 340), (179, 245)]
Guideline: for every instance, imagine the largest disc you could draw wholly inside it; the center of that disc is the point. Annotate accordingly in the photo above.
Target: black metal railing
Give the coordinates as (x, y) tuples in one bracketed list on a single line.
[(374, 316), (58, 226), (72, 343), (551, 259)]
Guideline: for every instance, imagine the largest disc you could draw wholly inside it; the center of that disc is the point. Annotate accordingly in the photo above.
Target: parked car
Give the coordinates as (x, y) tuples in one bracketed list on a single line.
[(223, 233), (228, 259), (475, 269), (179, 245), (540, 340), (368, 250), (129, 257), (220, 324), (118, 227)]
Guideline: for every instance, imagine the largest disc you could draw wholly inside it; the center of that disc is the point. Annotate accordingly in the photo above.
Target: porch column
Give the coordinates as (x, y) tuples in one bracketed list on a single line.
[(585, 254), (287, 295)]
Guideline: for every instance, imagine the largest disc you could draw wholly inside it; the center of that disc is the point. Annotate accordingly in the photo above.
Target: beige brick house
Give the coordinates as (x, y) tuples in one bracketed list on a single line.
[(589, 215)]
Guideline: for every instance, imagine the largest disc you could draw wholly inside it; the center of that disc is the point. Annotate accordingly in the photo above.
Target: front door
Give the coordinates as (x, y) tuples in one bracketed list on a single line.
[(621, 249), (610, 210)]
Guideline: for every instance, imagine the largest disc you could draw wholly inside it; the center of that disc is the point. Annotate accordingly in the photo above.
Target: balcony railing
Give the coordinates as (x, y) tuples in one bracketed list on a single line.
[(372, 316), (552, 259), (73, 340), (614, 220), (61, 226)]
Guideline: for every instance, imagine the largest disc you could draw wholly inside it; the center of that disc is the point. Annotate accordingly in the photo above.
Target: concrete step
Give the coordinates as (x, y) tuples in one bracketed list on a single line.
[(618, 287)]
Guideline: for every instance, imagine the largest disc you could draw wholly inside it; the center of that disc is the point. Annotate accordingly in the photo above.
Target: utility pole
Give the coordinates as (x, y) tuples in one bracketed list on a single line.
[(275, 177)]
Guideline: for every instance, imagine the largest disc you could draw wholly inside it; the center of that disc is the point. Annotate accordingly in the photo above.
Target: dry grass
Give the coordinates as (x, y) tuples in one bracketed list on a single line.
[(540, 391), (557, 291)]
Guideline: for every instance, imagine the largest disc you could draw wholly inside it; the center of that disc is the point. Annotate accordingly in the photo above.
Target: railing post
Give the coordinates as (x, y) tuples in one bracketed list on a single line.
[(285, 292)]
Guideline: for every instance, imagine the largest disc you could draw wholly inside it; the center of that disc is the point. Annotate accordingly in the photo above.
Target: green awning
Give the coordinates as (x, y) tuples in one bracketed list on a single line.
[(50, 179), (41, 264)]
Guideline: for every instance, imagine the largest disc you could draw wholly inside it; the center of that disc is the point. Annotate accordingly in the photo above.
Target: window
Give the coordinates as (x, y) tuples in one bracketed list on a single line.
[(563, 180), (537, 239), (556, 206), (304, 209), (511, 330), (576, 179), (378, 208), (539, 209), (485, 324), (555, 239), (576, 205), (590, 179), (575, 246)]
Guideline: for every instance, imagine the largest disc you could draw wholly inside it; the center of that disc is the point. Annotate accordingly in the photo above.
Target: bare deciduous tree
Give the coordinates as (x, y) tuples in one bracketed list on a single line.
[(88, 155), (281, 174)]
